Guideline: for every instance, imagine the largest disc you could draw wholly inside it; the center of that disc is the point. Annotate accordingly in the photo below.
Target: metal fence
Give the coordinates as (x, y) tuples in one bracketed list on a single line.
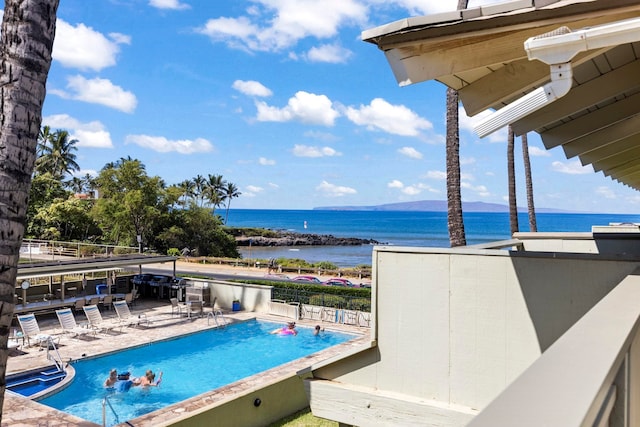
[(303, 296)]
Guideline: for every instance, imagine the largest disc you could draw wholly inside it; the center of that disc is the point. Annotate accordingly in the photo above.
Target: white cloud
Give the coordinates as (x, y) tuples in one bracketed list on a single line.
[(91, 134), (305, 107), (168, 4), (439, 175), (309, 151), (571, 168), (252, 88), (275, 25), (538, 152), (84, 48), (266, 162), (394, 119), (164, 145), (253, 189), (410, 152), (605, 192), (331, 53), (84, 172), (332, 190), (98, 91), (411, 190), (481, 190), (395, 184), (273, 185), (467, 123)]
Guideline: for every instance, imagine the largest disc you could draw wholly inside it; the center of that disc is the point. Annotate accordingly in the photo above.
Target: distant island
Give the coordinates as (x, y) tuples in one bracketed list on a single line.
[(434, 206)]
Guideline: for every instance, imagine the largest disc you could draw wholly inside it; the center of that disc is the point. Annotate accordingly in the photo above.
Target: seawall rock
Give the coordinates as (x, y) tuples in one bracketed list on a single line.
[(299, 239)]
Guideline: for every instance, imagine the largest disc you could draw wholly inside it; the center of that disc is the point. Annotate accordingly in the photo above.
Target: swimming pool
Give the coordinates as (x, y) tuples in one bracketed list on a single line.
[(191, 365)]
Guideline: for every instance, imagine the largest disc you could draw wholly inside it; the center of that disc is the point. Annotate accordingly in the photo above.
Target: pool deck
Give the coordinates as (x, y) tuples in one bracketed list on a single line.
[(19, 411)]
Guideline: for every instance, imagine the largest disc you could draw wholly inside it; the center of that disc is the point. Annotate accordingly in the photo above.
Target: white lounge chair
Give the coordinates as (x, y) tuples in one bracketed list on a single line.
[(96, 322), (68, 323), (125, 316), (31, 331)]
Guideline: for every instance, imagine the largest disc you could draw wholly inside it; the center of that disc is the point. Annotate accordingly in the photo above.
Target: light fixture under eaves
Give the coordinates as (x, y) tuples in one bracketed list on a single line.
[(557, 48)]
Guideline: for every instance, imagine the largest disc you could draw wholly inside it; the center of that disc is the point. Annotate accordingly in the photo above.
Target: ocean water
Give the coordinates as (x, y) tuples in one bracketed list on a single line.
[(396, 228)]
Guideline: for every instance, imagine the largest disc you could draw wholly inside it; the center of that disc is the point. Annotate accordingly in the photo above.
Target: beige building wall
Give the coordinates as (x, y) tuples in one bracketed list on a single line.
[(454, 327)]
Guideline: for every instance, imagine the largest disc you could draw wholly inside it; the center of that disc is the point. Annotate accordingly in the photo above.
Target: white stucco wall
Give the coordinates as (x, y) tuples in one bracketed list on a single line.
[(458, 326)]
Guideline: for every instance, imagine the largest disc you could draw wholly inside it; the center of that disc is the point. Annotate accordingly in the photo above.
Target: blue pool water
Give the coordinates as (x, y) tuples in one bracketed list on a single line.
[(30, 383), (191, 365)]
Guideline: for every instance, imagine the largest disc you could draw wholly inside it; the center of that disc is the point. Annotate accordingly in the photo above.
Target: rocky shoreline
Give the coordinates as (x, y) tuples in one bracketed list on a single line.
[(300, 239)]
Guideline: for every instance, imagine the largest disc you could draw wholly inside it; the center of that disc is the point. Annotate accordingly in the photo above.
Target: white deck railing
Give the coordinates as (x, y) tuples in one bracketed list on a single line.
[(589, 377), (285, 309)]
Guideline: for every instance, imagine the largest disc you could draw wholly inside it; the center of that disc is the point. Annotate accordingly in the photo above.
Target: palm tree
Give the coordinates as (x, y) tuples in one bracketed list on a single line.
[(28, 29), (57, 154), (511, 174), (533, 226), (198, 188), (455, 222), (214, 191), (89, 184), (187, 186), (76, 184), (231, 192)]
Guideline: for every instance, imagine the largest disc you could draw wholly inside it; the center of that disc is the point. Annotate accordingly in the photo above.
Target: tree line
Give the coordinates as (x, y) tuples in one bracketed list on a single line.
[(123, 205)]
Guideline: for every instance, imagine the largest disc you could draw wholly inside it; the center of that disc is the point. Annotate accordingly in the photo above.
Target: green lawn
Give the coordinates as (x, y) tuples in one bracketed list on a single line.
[(304, 418)]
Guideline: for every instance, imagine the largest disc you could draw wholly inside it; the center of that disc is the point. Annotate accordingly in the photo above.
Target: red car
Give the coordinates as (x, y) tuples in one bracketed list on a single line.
[(338, 282), (310, 279)]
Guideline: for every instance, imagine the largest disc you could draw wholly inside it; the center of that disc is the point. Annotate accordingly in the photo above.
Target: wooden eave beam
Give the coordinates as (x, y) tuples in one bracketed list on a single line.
[(611, 155), (581, 97), (617, 131), (591, 122), (421, 58)]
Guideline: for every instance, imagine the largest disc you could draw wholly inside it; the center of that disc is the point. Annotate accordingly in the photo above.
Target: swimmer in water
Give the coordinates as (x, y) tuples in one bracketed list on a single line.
[(290, 329)]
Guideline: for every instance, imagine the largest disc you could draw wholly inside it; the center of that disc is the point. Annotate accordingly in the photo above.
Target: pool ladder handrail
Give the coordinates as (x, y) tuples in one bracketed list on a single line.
[(214, 315), (51, 345), (106, 402)]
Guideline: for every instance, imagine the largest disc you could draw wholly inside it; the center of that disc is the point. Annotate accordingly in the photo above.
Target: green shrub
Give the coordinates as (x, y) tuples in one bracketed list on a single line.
[(174, 252)]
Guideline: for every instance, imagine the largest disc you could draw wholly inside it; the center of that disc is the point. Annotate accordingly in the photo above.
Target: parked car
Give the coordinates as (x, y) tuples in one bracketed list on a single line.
[(310, 279), (277, 276), (338, 282)]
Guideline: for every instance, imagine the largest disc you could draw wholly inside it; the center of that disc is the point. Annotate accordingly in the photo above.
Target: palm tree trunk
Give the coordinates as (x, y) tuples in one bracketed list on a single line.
[(511, 173), (28, 29), (455, 221), (533, 226)]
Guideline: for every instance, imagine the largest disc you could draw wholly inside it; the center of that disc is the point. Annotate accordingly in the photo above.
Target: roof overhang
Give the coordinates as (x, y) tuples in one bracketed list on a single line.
[(481, 53), (83, 266)]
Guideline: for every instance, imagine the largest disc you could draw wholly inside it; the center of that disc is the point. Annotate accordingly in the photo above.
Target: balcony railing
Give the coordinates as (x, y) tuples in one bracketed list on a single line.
[(589, 377)]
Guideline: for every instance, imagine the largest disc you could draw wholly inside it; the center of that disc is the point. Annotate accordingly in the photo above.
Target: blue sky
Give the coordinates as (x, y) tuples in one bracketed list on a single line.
[(282, 98)]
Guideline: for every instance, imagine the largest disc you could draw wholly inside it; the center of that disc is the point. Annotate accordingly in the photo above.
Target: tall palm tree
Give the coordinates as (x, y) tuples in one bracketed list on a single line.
[(28, 29), (511, 174), (455, 222), (214, 191), (199, 183), (533, 226), (231, 192), (58, 156)]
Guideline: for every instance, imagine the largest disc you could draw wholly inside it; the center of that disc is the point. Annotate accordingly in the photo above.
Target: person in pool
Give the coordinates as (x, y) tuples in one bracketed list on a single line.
[(148, 380), (290, 329), (317, 330), (111, 379)]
